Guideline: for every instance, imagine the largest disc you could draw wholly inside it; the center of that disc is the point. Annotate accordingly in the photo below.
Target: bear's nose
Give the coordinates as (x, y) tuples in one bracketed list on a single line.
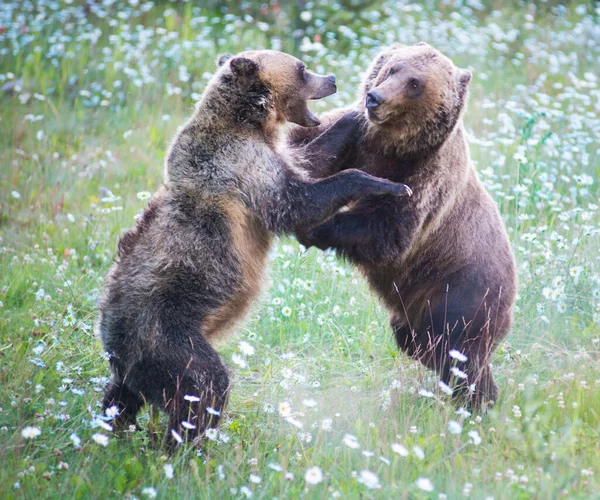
[(331, 78), (373, 100)]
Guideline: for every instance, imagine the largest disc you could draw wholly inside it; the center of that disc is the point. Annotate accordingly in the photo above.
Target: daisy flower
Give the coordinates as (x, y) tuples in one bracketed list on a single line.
[(211, 433), (285, 409), (101, 439), (424, 484), (313, 475), (31, 432), (369, 479)]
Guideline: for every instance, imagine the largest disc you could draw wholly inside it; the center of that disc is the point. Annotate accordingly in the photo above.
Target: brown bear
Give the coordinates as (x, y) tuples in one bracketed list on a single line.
[(193, 264), (440, 260)]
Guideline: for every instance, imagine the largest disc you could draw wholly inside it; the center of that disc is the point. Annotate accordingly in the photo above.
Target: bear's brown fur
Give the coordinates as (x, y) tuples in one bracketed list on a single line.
[(440, 260), (194, 262)]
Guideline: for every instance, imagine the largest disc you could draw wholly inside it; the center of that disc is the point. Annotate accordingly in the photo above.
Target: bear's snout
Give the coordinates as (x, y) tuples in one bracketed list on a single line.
[(322, 86), (373, 100)]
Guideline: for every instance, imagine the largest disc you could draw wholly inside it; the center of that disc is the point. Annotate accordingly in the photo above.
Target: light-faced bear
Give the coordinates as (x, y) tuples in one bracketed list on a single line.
[(440, 260), (193, 264)]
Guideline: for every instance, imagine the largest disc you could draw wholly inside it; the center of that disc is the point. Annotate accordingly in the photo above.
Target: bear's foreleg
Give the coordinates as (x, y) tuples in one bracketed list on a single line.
[(327, 153), (190, 383), (197, 403), (376, 231), (301, 203), (122, 404)]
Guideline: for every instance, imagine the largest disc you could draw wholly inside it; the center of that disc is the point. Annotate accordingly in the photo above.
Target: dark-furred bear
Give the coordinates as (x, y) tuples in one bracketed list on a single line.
[(440, 260), (194, 262)]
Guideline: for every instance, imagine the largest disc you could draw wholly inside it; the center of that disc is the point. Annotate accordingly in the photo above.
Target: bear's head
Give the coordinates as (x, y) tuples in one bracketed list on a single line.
[(416, 93), (276, 81)]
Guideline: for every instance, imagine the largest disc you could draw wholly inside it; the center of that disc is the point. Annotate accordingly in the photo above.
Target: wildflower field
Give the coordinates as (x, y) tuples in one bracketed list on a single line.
[(323, 405)]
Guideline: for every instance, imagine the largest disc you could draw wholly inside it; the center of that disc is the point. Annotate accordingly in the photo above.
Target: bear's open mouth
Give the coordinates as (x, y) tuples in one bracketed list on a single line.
[(312, 118), (299, 114)]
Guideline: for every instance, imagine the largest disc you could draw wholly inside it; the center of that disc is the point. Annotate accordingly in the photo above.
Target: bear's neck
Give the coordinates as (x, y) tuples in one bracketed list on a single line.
[(244, 115)]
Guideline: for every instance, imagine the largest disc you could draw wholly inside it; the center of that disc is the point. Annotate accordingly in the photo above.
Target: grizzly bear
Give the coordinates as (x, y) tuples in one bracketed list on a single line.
[(440, 260), (193, 264)]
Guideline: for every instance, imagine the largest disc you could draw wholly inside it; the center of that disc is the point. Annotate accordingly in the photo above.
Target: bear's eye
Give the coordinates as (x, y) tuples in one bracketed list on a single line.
[(414, 84), (302, 72)]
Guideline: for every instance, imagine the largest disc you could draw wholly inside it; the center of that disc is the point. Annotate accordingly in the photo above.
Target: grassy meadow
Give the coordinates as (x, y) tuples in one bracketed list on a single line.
[(323, 405)]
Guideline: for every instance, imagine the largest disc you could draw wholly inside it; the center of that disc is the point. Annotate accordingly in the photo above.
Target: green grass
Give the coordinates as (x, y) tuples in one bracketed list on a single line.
[(534, 127)]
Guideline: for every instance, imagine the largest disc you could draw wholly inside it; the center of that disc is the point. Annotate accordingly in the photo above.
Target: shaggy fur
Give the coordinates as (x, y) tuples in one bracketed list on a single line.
[(440, 260), (188, 271)]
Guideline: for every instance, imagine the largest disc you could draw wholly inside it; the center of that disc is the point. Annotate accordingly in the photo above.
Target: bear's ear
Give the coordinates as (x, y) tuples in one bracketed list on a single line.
[(223, 58), (464, 78), (243, 69), (396, 46), (421, 44), (375, 68)]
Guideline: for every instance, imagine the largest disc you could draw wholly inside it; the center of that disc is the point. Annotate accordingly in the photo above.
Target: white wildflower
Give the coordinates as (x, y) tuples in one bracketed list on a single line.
[(211, 433), (144, 195), (446, 389), (327, 424), (295, 422), (176, 436), (149, 492), (245, 348), (425, 393), (458, 373), (399, 449), (313, 475), (475, 437), (350, 441), (419, 453), (238, 360), (31, 432), (424, 484), (457, 355), (101, 439), (76, 440), (369, 479), (285, 409), (454, 427), (112, 411)]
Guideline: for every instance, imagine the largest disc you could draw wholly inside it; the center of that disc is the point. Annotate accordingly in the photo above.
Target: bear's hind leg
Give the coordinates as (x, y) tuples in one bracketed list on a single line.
[(444, 347), (467, 369), (483, 391)]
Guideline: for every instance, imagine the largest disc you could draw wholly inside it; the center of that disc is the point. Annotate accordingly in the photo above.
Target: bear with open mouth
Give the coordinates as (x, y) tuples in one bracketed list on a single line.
[(192, 266)]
